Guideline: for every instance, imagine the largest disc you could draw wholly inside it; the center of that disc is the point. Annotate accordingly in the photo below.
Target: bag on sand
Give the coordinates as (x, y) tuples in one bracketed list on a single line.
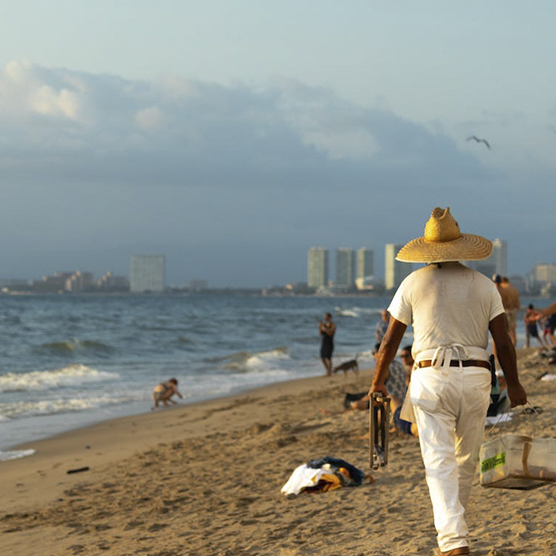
[(518, 462)]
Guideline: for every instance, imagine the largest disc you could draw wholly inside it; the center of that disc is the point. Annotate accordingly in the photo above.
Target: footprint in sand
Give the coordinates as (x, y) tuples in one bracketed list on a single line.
[(133, 525), (156, 527)]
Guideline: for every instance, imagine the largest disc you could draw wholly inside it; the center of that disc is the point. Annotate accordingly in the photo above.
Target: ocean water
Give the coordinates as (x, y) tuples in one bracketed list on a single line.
[(69, 361)]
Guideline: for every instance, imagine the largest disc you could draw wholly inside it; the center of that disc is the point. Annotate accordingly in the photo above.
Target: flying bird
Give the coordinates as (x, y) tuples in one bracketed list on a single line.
[(475, 138)]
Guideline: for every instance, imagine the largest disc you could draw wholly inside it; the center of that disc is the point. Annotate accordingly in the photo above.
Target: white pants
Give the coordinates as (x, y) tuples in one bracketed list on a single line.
[(450, 407)]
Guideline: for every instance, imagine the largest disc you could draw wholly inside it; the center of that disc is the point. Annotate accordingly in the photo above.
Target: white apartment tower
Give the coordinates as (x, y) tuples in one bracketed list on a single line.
[(317, 267), (147, 274), (345, 268), (394, 271), (499, 256), (365, 263)]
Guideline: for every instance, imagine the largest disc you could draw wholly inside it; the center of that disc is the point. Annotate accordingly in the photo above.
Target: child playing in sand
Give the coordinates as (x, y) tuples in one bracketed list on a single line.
[(164, 392)]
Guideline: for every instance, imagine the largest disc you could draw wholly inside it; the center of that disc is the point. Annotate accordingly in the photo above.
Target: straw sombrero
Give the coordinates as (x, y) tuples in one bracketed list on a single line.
[(443, 242)]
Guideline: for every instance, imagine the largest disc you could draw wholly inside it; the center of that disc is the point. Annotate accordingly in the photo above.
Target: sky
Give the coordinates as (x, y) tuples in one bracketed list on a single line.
[(234, 136)]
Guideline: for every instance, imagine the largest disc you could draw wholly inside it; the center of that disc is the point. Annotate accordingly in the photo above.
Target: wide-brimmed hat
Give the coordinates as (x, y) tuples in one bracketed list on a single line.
[(443, 242)]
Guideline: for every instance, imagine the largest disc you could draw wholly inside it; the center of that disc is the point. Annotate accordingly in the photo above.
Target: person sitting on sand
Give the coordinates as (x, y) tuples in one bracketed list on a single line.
[(164, 391), (398, 380)]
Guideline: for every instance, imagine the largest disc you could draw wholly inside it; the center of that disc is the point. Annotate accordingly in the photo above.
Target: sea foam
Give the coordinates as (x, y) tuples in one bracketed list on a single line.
[(29, 408), (72, 375), (5, 456), (256, 362)]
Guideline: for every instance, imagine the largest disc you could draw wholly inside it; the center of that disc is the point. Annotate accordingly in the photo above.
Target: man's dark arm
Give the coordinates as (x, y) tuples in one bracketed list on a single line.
[(388, 349), (505, 351)]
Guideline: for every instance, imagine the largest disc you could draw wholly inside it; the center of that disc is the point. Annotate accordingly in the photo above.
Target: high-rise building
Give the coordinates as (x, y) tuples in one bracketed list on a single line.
[(497, 263), (395, 271), (345, 268), (113, 283), (317, 267), (365, 263), (80, 282), (147, 273), (544, 273), (500, 256)]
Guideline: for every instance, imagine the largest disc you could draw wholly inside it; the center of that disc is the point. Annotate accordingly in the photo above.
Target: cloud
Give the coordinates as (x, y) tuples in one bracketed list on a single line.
[(150, 119), (189, 133)]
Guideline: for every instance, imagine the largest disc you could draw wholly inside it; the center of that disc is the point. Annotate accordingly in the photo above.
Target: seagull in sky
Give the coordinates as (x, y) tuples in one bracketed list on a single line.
[(475, 138)]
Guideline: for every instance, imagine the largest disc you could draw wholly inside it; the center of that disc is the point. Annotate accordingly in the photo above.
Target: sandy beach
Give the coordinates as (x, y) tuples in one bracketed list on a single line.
[(205, 479)]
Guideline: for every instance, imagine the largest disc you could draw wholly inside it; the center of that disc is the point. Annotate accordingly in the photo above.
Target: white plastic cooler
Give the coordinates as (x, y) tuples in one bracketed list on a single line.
[(519, 462)]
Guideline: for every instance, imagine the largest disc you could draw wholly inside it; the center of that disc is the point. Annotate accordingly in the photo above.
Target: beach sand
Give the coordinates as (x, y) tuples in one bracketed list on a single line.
[(205, 479)]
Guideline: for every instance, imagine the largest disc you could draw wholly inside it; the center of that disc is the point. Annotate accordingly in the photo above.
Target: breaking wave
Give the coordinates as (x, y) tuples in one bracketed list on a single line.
[(52, 407), (245, 361), (348, 312), (70, 376)]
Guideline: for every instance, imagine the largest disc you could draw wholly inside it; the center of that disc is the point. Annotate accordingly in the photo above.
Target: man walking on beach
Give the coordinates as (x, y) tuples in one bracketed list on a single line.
[(452, 309)]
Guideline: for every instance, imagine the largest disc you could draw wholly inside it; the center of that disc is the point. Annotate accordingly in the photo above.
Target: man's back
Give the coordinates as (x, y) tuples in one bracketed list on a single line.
[(447, 304)]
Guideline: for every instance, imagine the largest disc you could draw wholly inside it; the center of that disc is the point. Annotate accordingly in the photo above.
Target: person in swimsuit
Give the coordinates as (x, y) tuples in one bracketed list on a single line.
[(164, 391), (327, 329)]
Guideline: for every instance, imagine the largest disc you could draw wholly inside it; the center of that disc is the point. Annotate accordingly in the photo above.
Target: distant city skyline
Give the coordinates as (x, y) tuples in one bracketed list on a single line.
[(362, 258), (147, 276)]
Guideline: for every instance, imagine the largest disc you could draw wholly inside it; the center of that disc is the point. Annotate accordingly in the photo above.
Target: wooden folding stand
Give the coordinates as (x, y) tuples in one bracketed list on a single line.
[(379, 424)]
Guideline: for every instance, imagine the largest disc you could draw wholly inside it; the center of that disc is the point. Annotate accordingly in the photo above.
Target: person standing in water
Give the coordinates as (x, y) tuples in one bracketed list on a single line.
[(327, 329)]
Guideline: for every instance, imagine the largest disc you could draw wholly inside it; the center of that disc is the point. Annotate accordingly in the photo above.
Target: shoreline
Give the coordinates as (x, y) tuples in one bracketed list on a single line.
[(98, 420), (111, 440), (205, 479)]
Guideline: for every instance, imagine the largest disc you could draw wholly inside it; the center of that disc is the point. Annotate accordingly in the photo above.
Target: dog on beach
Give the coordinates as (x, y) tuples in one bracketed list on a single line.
[(346, 366)]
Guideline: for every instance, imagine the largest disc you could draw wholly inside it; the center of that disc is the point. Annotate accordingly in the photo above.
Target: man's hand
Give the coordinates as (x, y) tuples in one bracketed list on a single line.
[(517, 395), (378, 387)]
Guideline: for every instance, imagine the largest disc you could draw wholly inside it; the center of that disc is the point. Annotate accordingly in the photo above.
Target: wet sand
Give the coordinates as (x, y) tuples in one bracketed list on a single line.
[(205, 479)]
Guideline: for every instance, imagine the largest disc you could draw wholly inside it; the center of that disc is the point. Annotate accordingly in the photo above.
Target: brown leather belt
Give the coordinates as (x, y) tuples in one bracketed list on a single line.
[(456, 363)]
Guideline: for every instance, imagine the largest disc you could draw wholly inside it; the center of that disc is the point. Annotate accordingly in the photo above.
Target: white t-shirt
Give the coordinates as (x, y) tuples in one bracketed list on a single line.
[(449, 305)]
